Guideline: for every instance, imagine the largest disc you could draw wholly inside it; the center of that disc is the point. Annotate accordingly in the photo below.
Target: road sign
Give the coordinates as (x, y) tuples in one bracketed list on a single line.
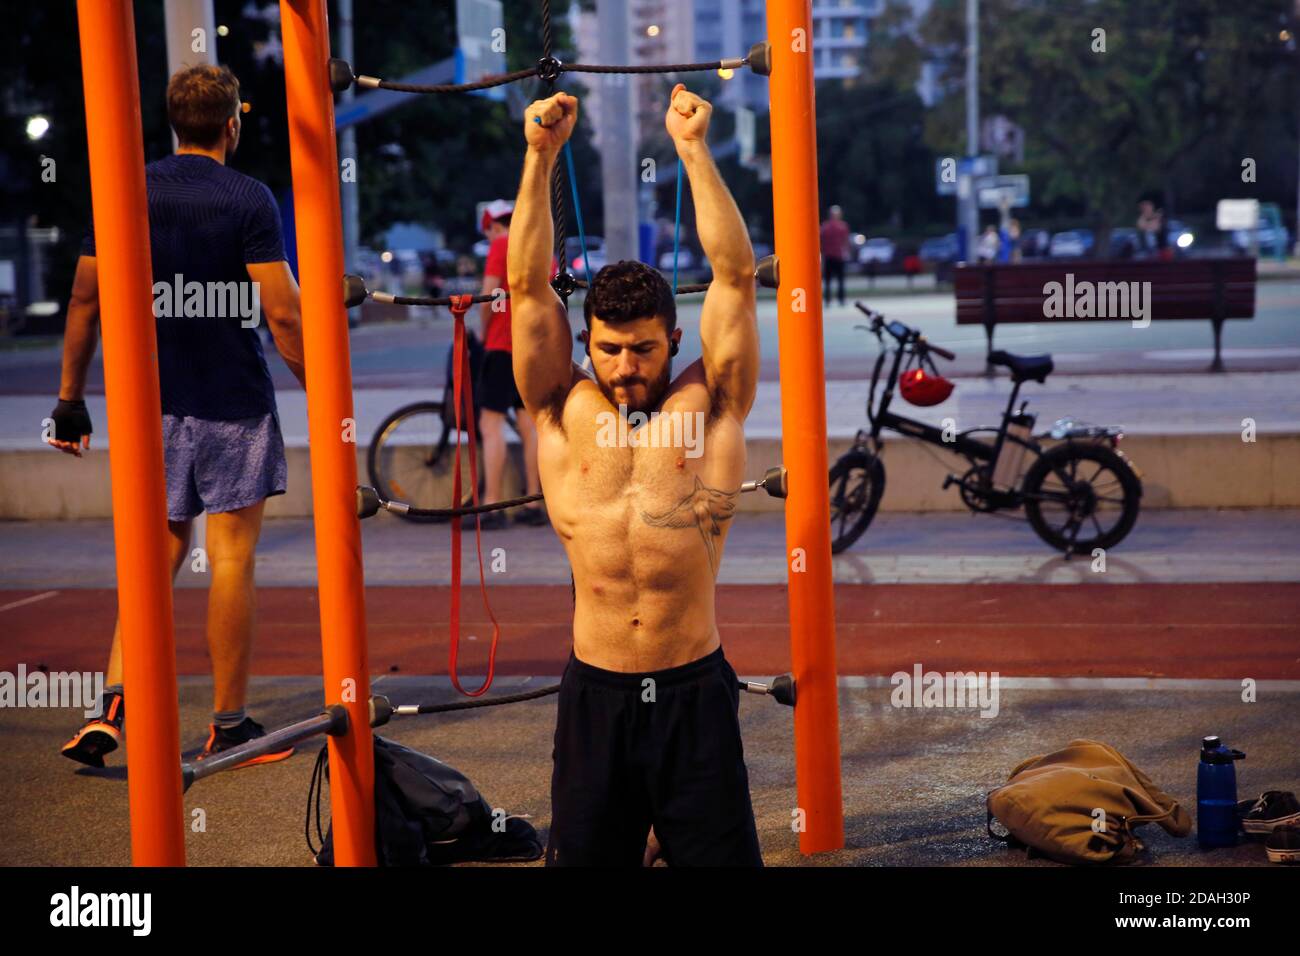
[(945, 176), (949, 169), (1236, 214), (480, 48), (978, 166), (995, 191)]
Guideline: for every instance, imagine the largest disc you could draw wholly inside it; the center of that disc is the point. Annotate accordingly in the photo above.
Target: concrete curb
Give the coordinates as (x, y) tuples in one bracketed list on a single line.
[(1179, 470)]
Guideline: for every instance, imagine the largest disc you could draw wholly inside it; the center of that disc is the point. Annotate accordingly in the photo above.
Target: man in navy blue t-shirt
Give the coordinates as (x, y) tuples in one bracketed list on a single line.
[(218, 263)]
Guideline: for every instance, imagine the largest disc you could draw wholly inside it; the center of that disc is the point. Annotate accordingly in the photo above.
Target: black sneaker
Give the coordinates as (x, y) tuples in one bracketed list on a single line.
[(1273, 809), (487, 521), (1283, 845), (223, 738), (534, 517), (100, 735)]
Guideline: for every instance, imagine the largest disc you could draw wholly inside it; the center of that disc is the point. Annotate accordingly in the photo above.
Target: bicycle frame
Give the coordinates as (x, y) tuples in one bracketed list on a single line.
[(985, 487), (881, 417), (975, 450)]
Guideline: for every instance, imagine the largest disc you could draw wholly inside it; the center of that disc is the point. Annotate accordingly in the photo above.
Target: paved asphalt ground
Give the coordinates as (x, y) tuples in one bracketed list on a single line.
[(1148, 657), (913, 780)]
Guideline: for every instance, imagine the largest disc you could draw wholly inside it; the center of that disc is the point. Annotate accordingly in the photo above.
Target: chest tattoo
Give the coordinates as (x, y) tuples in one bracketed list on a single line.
[(705, 509)]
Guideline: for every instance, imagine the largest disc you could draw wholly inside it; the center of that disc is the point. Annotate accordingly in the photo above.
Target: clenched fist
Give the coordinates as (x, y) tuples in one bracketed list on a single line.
[(688, 116), (548, 123)]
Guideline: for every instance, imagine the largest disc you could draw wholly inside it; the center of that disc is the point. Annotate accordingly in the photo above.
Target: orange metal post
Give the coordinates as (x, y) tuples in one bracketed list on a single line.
[(329, 406), (144, 596), (803, 424)]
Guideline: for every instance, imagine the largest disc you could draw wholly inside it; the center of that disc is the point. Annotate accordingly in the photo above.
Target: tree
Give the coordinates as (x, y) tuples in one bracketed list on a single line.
[(1117, 98), (872, 157), (430, 160)]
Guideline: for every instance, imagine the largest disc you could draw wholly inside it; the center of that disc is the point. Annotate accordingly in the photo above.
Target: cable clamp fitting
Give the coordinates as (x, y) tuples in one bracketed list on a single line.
[(549, 69)]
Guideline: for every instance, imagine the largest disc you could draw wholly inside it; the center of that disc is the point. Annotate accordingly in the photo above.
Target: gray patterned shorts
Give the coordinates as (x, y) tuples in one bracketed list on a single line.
[(218, 466)]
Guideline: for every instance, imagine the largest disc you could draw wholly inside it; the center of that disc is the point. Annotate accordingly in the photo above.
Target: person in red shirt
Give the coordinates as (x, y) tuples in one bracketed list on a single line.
[(835, 251), (496, 393)]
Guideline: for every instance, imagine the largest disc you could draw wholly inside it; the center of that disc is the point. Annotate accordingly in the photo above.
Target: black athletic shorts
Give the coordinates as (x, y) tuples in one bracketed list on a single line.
[(496, 385), (658, 749)]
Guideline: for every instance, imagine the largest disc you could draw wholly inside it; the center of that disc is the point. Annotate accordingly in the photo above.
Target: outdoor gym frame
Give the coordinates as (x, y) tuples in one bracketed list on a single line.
[(115, 140)]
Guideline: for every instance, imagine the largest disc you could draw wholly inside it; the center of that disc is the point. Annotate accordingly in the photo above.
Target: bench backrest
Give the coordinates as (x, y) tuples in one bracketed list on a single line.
[(1182, 289)]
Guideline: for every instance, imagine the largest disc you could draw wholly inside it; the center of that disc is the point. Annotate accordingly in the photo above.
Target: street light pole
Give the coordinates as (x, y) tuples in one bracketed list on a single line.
[(968, 202), (618, 138), (348, 149)]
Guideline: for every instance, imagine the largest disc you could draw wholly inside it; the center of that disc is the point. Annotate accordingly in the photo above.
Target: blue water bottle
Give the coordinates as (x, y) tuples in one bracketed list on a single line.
[(1216, 794)]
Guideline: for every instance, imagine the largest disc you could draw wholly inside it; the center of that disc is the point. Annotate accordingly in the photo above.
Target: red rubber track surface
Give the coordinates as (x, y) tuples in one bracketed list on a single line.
[(1142, 630)]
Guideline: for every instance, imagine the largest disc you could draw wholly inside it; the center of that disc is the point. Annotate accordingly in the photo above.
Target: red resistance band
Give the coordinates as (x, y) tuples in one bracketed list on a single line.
[(463, 399)]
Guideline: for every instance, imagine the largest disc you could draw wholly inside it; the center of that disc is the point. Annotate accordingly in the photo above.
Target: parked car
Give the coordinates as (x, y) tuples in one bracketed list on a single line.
[(1071, 244), (1034, 243), (685, 260), (1180, 237), (595, 249), (878, 250), (1269, 237), (369, 264), (1123, 242), (940, 248)]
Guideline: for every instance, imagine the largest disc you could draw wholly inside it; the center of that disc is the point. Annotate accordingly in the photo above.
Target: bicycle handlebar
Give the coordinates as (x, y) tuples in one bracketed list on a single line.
[(942, 353), (909, 335)]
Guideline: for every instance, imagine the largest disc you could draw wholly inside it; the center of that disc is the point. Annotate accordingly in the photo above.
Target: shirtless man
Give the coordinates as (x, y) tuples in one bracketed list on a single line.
[(647, 733)]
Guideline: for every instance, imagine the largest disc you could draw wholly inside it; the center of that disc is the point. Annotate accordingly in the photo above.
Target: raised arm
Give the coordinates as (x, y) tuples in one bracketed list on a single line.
[(728, 321), (539, 328)]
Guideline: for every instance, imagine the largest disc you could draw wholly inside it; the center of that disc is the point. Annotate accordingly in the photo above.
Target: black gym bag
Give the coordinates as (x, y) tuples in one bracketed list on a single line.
[(426, 814)]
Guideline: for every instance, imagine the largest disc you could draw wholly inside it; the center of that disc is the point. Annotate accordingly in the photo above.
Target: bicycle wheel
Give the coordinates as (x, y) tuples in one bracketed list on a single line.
[(410, 459), (857, 482), (1081, 496)]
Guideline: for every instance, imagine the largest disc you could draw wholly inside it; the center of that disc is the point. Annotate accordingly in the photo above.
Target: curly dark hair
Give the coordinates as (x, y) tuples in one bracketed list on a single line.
[(626, 291)]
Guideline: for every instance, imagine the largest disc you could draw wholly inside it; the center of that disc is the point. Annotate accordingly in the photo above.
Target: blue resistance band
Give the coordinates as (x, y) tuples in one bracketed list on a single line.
[(677, 223), (577, 212)]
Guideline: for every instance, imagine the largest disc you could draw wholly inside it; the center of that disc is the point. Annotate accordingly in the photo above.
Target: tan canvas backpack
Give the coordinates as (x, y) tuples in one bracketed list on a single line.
[(1080, 805)]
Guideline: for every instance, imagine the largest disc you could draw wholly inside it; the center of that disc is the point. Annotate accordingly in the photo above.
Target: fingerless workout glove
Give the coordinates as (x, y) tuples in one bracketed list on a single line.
[(71, 421)]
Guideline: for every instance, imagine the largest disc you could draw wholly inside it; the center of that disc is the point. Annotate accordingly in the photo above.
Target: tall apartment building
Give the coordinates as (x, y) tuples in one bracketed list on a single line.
[(727, 27), (662, 31), (667, 31), (840, 36)]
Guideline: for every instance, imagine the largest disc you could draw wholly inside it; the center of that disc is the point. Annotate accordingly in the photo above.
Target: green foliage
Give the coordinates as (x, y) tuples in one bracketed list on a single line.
[(432, 159), (872, 159), (1184, 90)]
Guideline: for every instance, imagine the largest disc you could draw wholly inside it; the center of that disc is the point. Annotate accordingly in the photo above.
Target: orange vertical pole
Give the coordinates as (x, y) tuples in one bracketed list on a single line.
[(329, 406), (803, 424), (144, 594)]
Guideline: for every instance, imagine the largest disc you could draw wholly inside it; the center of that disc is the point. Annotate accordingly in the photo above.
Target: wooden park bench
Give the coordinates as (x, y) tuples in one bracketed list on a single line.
[(1215, 289)]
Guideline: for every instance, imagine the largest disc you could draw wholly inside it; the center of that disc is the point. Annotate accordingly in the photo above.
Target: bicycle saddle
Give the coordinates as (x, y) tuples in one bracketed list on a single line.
[(1024, 367)]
